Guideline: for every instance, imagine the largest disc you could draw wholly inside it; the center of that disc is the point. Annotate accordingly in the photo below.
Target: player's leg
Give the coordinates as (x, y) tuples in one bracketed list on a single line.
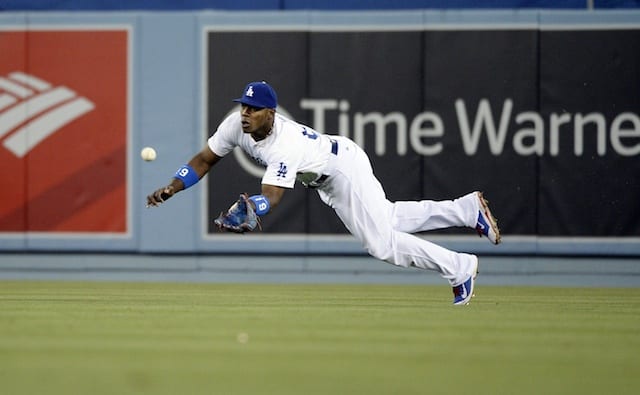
[(471, 210), (360, 202), (425, 215)]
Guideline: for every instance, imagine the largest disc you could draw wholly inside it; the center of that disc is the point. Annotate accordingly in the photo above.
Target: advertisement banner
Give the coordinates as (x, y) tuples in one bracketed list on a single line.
[(544, 122), (590, 106), (64, 130)]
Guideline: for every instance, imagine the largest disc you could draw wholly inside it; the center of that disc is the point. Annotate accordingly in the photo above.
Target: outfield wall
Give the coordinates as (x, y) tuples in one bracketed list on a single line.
[(246, 5), (537, 108)]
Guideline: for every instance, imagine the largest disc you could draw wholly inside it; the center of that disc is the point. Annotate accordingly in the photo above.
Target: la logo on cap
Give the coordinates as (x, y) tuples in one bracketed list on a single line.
[(259, 95)]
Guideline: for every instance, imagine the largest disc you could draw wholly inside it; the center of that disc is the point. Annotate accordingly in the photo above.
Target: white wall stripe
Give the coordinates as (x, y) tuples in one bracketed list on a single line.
[(30, 81), (27, 109), (42, 127), (14, 88), (6, 100)]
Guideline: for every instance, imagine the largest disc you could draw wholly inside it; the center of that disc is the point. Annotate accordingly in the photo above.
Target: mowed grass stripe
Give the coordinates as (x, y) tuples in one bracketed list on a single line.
[(126, 338)]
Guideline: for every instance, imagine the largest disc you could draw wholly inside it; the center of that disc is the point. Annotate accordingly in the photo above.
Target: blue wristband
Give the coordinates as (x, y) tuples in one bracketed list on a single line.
[(262, 204), (187, 175)]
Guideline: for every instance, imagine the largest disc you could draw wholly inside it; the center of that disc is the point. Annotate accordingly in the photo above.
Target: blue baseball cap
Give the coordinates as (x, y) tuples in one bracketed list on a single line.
[(259, 94)]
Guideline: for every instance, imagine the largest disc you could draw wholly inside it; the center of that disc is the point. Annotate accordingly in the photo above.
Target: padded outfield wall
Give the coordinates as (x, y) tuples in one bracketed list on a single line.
[(540, 109), (246, 5)]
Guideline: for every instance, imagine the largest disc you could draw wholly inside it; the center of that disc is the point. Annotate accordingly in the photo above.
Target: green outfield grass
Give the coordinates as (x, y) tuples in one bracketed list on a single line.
[(131, 338)]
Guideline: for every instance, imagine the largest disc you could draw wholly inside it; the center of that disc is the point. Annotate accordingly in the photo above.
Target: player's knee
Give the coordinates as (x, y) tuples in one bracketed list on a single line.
[(383, 253), (387, 251)]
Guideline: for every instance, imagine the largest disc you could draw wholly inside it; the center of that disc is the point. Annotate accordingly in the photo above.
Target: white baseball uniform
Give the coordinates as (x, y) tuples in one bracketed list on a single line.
[(342, 174)]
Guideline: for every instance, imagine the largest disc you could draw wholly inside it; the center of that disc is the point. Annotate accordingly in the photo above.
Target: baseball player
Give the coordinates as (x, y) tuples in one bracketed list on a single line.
[(341, 173)]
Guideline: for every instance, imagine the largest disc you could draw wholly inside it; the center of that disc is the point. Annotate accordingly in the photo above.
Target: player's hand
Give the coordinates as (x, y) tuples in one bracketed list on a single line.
[(240, 218), (159, 196)]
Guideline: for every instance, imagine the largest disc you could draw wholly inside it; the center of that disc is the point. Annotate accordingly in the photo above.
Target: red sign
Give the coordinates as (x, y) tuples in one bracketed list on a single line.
[(63, 130)]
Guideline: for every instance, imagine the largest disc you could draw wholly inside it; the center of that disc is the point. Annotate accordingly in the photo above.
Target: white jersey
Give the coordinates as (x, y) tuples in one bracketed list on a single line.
[(291, 150)]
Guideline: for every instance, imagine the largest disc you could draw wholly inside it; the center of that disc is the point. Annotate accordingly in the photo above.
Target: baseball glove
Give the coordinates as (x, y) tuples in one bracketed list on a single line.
[(240, 218)]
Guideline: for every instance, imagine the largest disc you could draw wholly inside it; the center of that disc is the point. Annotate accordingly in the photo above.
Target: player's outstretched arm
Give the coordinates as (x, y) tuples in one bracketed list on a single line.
[(185, 177)]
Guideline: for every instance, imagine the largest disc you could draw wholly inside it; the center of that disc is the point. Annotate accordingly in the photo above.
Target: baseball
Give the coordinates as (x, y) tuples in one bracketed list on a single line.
[(242, 338), (148, 154)]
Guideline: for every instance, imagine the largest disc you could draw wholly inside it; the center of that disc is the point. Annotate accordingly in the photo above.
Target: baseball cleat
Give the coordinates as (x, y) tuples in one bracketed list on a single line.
[(463, 293), (487, 225)]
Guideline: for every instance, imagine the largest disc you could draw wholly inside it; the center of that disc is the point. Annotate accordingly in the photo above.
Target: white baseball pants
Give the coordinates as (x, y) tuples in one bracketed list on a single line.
[(385, 228)]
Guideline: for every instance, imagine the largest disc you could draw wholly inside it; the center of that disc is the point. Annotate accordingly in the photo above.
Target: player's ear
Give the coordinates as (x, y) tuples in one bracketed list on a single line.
[(271, 112)]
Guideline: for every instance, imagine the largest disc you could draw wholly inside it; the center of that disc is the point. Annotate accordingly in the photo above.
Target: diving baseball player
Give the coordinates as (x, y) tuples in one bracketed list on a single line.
[(341, 173)]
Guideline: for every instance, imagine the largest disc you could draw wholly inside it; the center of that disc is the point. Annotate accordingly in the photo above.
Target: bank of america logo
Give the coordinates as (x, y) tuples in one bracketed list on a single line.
[(31, 110)]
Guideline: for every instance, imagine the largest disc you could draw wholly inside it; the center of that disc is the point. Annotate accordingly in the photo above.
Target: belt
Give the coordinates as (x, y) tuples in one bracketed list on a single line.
[(334, 146), (318, 182)]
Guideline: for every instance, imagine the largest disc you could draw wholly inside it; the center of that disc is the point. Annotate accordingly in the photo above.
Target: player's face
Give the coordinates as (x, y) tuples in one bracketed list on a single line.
[(256, 121)]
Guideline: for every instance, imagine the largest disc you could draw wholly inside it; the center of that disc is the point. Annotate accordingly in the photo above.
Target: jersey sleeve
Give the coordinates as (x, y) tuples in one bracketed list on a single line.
[(224, 140), (283, 165), (279, 174)]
